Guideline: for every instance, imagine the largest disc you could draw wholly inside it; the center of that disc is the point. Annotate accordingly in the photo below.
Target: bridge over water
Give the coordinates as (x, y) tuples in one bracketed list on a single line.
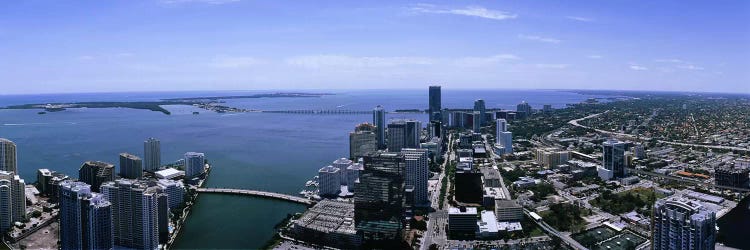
[(258, 193)]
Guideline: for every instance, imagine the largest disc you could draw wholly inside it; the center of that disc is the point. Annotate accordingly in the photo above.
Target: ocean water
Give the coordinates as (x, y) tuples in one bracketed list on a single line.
[(266, 151)]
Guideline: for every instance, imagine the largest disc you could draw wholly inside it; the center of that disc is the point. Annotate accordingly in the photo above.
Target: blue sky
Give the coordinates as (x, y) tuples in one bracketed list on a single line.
[(159, 45)]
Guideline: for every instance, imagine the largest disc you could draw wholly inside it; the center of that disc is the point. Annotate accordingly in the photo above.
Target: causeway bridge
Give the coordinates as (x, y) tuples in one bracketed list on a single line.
[(258, 193)]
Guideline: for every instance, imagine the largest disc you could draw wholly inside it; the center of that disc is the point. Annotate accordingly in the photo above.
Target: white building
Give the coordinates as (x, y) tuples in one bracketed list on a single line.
[(195, 164), (175, 191), (329, 178), (505, 140), (342, 164), (488, 228), (12, 200), (151, 154), (169, 173), (134, 213), (8, 156), (352, 175), (417, 173)]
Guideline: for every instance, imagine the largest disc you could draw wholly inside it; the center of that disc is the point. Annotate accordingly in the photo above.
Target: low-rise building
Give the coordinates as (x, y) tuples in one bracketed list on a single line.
[(170, 173), (329, 223), (462, 222), (508, 210)]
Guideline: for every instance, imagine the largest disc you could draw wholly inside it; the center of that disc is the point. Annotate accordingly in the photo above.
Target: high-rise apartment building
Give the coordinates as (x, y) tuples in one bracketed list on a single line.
[(85, 218), (479, 106), (435, 108), (682, 223), (504, 141), (8, 156), (134, 213), (378, 118), (500, 126), (403, 134), (95, 173), (152, 154), (175, 191), (551, 157), (613, 158), (195, 163), (362, 141), (329, 181), (131, 166), (476, 121), (379, 198), (12, 200), (417, 173)]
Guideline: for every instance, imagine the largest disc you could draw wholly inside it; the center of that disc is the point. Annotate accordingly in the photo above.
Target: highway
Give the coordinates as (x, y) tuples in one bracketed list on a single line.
[(688, 180), (265, 194), (566, 239)]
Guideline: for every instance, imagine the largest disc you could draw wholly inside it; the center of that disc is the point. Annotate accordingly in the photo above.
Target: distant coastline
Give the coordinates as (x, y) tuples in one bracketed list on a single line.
[(156, 105)]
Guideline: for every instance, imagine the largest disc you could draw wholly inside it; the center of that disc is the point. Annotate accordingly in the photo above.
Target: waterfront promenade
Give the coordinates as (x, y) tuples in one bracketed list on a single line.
[(266, 194)]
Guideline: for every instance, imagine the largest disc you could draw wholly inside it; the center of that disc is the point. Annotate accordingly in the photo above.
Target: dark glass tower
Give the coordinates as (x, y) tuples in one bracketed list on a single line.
[(435, 105), (379, 199), (378, 118)]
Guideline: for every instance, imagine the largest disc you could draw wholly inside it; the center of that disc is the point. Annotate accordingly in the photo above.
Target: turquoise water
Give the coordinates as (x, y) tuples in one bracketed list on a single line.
[(275, 152)]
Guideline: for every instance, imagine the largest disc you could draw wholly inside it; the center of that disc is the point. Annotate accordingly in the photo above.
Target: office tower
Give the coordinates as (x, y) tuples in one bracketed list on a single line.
[(436, 129), (479, 106), (505, 140), (12, 200), (732, 176), (95, 173), (639, 151), (547, 108), (524, 107), (152, 154), (362, 141), (613, 158), (175, 191), (379, 199), (195, 163), (682, 223), (131, 166), (462, 222), (500, 126), (417, 173), (435, 109), (508, 210), (378, 118), (476, 121), (43, 176), (134, 213), (8, 156), (403, 134), (329, 181), (85, 218)]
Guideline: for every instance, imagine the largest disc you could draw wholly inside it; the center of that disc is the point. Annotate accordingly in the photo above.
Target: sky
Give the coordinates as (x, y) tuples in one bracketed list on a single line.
[(172, 45)]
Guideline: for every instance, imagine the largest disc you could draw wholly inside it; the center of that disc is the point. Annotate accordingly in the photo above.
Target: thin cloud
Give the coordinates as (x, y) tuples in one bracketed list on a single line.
[(483, 61), (349, 62), (690, 67), (638, 68), (214, 2), (235, 62), (669, 60), (580, 19), (551, 66), (473, 11), (594, 57), (540, 39)]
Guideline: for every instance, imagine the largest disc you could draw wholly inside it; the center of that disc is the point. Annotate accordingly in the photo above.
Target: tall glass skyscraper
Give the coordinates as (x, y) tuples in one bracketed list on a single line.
[(435, 104), (379, 199), (378, 118), (681, 223), (8, 156), (480, 107), (613, 153), (152, 154), (403, 134)]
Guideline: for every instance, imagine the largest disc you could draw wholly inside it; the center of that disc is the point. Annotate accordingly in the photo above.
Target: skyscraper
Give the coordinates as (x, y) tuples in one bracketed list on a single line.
[(378, 118), (85, 218), (134, 213), (403, 134), (194, 164), (8, 156), (524, 107), (613, 158), (379, 198), (681, 223), (434, 111), (131, 166), (152, 154), (505, 140), (362, 141), (95, 173), (12, 200), (500, 126), (480, 107), (476, 121), (417, 173)]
